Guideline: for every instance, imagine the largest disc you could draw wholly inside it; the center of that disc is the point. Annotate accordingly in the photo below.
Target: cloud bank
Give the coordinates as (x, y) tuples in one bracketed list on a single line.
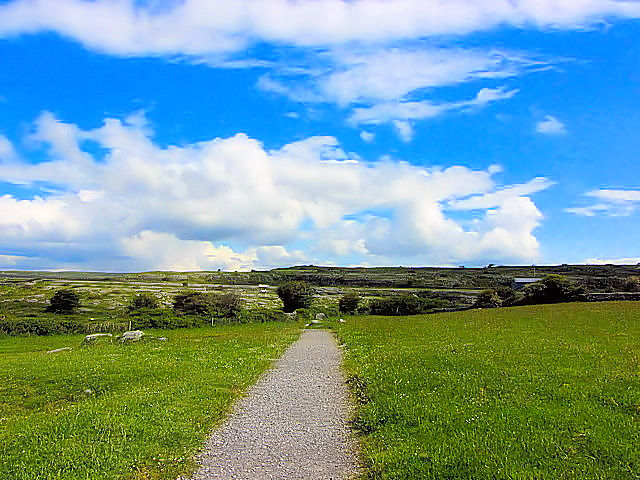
[(229, 203), (205, 27)]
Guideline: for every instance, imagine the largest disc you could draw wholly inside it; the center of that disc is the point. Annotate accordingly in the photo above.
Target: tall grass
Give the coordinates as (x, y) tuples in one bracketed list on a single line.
[(540, 392)]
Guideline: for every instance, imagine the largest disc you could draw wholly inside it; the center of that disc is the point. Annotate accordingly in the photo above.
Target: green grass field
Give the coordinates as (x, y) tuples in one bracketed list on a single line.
[(113, 411), (542, 392)]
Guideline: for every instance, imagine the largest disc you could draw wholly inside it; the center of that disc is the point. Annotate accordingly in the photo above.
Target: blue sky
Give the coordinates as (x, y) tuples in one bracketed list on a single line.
[(200, 134)]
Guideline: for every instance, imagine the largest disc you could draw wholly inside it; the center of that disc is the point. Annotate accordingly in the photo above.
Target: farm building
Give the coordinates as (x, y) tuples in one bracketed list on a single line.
[(518, 283)]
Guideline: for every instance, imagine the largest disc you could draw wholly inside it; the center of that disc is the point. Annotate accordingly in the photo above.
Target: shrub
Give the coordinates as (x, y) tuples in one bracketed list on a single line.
[(164, 319), (405, 305), (632, 284), (193, 303), (348, 303), (551, 289), (143, 301), (507, 294), (488, 299), (44, 325), (262, 315), (64, 301), (295, 295), (227, 305)]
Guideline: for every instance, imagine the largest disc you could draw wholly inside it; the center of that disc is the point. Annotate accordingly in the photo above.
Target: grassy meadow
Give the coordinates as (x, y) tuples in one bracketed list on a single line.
[(540, 392), (134, 411)]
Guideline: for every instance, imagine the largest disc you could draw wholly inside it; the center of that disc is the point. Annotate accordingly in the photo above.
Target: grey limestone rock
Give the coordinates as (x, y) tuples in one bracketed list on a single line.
[(131, 336)]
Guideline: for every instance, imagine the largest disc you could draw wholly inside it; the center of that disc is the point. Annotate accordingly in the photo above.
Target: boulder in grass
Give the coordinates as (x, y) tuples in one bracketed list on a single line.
[(93, 338), (131, 336)]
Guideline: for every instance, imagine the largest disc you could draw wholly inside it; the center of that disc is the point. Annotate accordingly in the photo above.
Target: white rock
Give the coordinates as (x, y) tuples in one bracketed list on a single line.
[(316, 322), (131, 336), (63, 349), (342, 320), (95, 336)]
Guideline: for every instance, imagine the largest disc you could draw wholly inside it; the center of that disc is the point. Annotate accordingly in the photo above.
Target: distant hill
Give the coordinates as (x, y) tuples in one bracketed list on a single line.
[(596, 278)]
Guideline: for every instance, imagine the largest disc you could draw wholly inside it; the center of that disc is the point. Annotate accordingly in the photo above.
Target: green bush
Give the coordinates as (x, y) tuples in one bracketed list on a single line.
[(632, 284), (405, 305), (348, 303), (164, 319), (295, 295), (64, 301), (41, 325), (226, 304), (193, 303), (262, 315), (143, 301), (551, 289), (488, 299)]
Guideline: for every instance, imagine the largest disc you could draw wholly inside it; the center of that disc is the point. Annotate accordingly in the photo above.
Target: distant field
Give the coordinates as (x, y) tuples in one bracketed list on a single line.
[(114, 411), (542, 392), (105, 300)]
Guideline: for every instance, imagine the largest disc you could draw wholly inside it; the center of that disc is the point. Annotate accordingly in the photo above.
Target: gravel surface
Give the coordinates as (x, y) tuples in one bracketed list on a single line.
[(292, 424)]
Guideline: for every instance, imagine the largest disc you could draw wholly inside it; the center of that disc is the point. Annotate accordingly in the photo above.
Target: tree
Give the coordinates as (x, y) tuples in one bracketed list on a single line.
[(143, 301), (348, 303), (295, 295), (64, 301)]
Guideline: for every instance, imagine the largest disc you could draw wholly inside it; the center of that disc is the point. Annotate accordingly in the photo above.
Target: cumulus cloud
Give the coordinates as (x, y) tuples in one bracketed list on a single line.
[(205, 27), (551, 126), (610, 202), (230, 203)]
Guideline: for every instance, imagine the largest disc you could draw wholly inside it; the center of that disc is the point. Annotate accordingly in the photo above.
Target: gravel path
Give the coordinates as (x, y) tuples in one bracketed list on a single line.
[(292, 424)]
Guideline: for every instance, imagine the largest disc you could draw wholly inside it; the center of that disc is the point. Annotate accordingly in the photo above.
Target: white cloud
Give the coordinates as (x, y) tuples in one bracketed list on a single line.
[(367, 136), (142, 206), (166, 252), (7, 152), (551, 126), (402, 113), (613, 261), (389, 74), (610, 202), (206, 27), (494, 199), (376, 83), (405, 130)]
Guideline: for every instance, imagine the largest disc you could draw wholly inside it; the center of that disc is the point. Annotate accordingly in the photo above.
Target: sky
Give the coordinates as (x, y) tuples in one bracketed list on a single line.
[(253, 134)]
